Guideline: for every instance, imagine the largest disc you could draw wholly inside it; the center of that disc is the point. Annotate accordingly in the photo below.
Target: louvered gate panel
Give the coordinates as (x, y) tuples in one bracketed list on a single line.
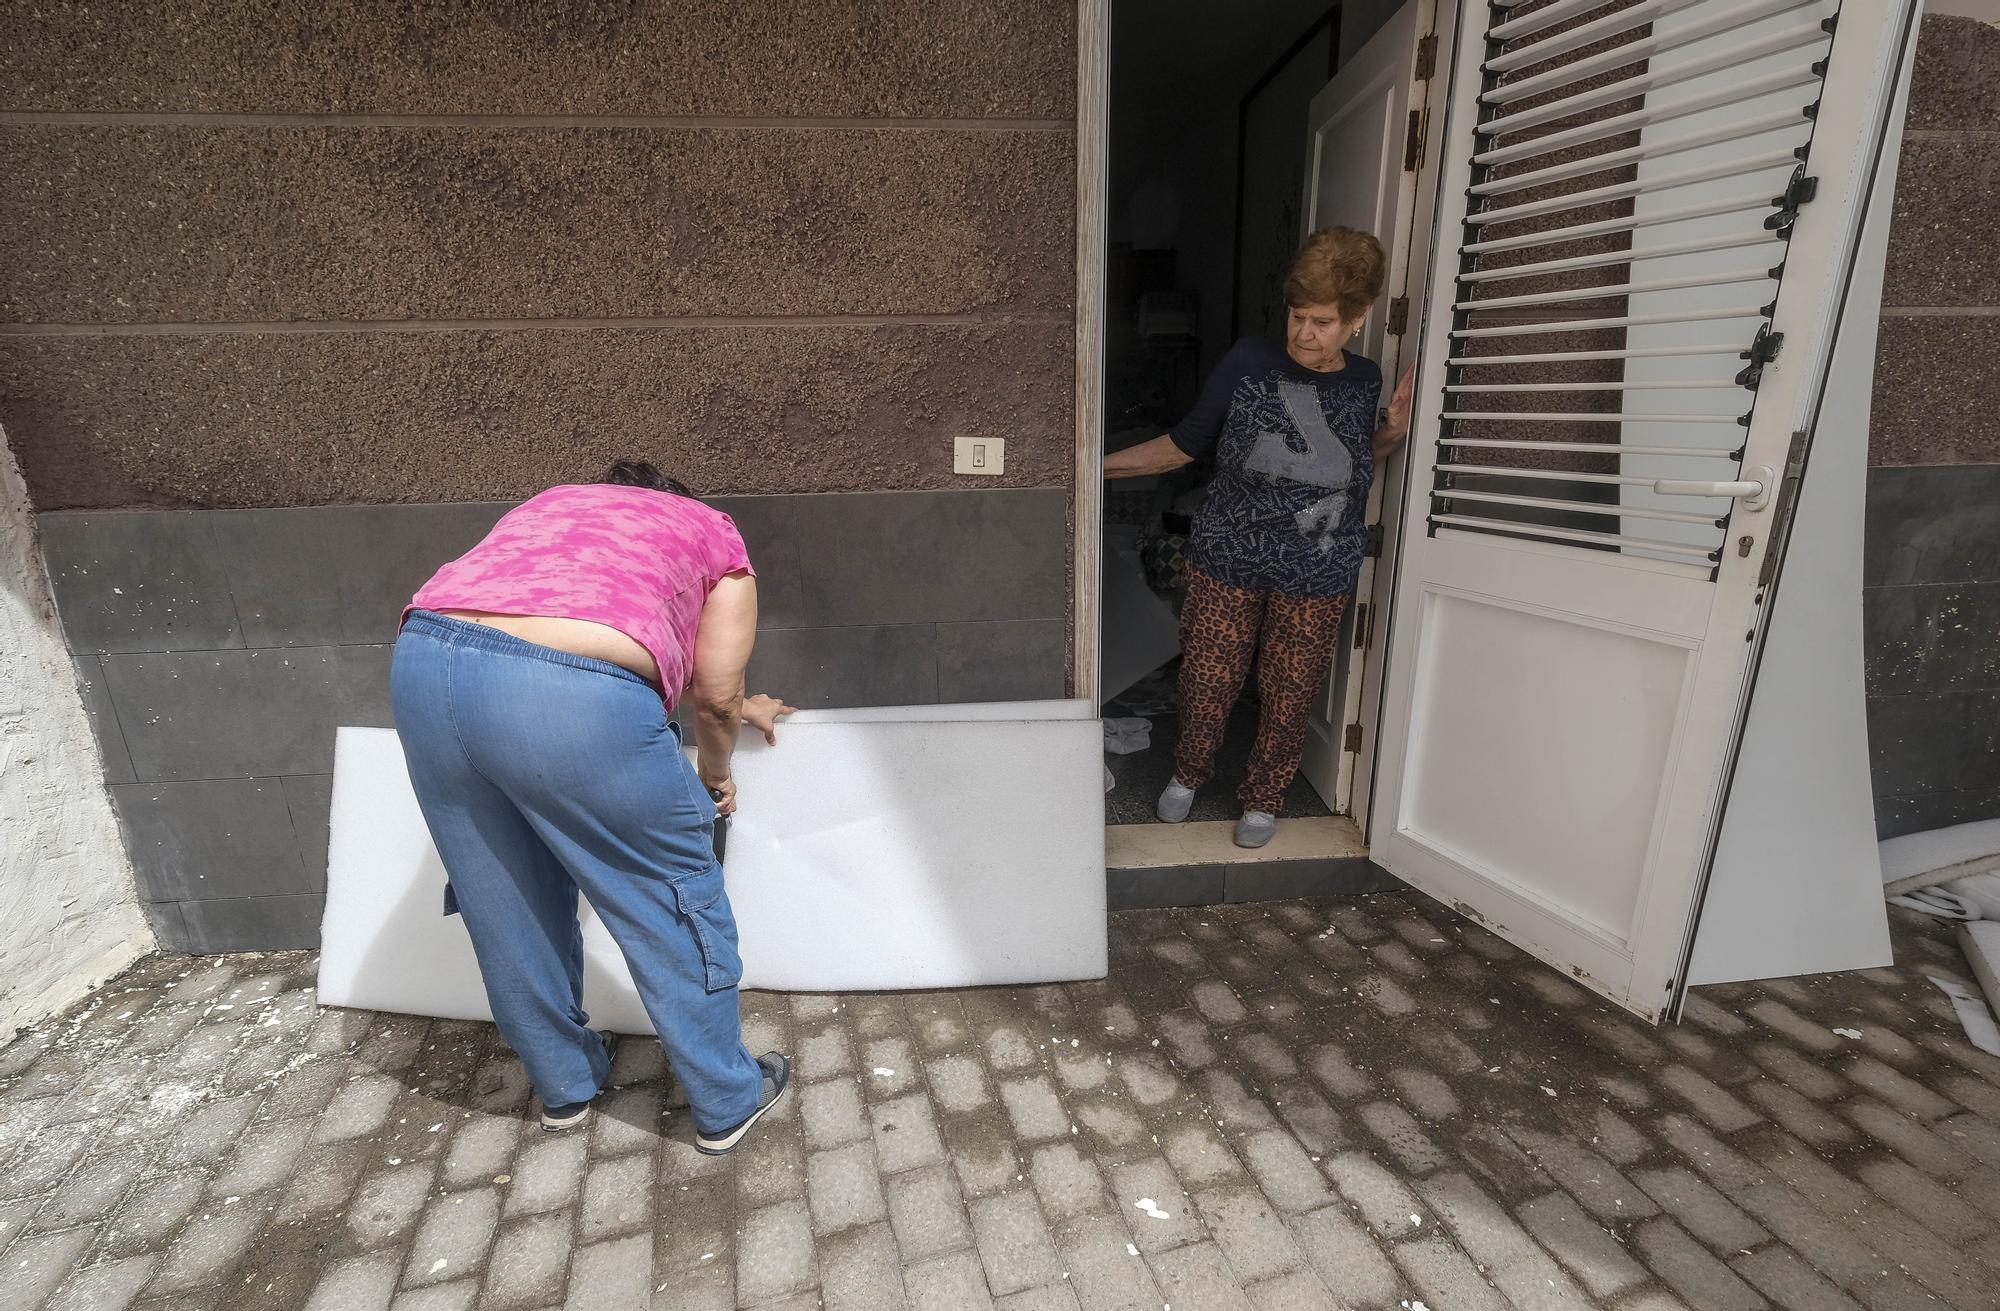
[(1637, 168)]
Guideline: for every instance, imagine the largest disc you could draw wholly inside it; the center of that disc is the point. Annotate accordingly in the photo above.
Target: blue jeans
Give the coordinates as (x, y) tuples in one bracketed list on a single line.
[(540, 774)]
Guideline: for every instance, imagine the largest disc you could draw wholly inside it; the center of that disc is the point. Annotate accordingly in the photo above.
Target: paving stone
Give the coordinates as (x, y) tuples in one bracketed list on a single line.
[(1188, 1037), (152, 1213), (36, 1267), (1153, 1179), (548, 1174), (264, 1158), (1800, 1115), (617, 1197), (1789, 1282), (529, 1263), (1689, 1270), (1938, 1208), (1237, 1109), (453, 1238), (1720, 1109), (359, 1107), (1590, 1178), (951, 1283), (1908, 1138), (1104, 1268), (208, 1247), (389, 1203), (1034, 1109), (927, 1213), (825, 1053), (1382, 1199), (844, 1188), (108, 1287), (984, 1156), (1445, 1275), (895, 1056), (859, 1271), (612, 1276), (1284, 1171), (1200, 1156), (1148, 1079), (905, 1133), (1218, 1002), (1582, 1245), (1250, 1231), (774, 1253), (482, 1148), (1896, 1088), (960, 1084), (1198, 1276), (92, 1191), (629, 1120), (770, 1166), (832, 1113), (1014, 1243), (360, 1283), (1701, 1210)]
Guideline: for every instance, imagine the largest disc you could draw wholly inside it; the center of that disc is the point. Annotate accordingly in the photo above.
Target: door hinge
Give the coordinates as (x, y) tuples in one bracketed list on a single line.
[(1351, 741), (1413, 142), (1364, 626), (1399, 316), (1427, 58), (1373, 549)]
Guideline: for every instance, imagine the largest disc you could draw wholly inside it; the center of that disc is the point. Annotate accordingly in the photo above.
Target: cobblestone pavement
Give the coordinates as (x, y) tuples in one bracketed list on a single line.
[(1365, 1103)]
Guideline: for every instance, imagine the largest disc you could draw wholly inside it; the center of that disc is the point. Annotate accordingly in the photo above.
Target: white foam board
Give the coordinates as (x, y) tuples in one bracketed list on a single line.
[(1940, 855), (869, 853)]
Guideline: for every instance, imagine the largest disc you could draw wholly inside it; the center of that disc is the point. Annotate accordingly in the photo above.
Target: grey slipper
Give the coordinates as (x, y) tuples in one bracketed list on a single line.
[(1175, 803), (1256, 828)]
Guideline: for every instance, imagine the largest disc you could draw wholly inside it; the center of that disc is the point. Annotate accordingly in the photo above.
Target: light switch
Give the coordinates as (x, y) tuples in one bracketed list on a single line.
[(980, 455)]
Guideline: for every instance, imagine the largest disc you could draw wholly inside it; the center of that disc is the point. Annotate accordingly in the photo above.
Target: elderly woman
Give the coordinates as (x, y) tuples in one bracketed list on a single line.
[(533, 687), (1278, 542)]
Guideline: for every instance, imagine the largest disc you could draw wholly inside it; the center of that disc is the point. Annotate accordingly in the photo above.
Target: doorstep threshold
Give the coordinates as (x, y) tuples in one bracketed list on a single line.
[(1148, 866)]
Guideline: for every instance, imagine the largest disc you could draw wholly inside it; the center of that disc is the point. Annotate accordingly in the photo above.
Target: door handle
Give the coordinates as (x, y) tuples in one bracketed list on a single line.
[(1755, 491)]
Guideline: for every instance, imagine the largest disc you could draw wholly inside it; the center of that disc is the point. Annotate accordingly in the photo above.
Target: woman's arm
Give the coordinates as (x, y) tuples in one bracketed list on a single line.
[(722, 644), (1392, 432), (1159, 455)]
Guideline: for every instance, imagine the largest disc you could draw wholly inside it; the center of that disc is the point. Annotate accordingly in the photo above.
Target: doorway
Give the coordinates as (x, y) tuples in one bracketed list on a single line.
[(1232, 135)]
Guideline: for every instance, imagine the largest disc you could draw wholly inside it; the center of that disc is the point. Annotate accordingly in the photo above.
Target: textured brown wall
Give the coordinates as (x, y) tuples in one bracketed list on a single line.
[(280, 254), (1938, 370)]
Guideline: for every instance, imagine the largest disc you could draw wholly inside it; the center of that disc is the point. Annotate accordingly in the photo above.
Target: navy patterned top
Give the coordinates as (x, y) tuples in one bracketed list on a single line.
[(1294, 458)]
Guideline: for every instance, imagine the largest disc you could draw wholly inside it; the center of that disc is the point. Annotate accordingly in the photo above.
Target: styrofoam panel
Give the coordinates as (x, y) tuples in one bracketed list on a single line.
[(867, 854), (981, 712)]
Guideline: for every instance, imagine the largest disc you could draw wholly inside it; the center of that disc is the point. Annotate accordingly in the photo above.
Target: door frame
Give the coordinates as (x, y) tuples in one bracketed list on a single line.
[(1093, 184), (1093, 114)]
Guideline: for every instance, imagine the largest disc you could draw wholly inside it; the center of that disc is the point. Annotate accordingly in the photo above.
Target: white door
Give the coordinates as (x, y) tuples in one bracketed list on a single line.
[(1364, 161), (1597, 480)]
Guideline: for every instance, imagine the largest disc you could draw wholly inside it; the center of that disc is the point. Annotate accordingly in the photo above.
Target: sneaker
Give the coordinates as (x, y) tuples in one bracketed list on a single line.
[(1175, 802), (777, 1078), (556, 1118), (1256, 828)]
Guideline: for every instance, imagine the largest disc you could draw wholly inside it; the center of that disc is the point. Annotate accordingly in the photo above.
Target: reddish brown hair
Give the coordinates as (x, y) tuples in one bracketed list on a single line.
[(1341, 267)]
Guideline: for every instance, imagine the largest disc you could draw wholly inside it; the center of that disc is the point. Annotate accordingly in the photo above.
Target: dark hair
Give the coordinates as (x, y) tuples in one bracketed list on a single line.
[(638, 473)]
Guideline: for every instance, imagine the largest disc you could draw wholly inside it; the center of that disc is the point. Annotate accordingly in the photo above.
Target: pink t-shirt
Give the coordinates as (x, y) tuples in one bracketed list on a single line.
[(640, 561)]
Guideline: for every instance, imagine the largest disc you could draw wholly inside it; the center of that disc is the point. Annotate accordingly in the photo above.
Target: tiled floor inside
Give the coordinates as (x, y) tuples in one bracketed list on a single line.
[(1366, 1103)]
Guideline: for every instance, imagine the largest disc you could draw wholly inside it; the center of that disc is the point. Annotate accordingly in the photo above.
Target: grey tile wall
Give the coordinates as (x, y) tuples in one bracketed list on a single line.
[(218, 651), (1931, 614)]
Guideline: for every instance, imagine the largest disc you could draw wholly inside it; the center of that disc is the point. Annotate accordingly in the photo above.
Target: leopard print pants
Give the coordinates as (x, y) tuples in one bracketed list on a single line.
[(1292, 640)]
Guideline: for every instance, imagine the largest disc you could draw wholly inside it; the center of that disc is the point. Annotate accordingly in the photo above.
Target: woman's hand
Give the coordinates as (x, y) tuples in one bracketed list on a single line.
[(763, 713), (723, 792), (1399, 404), (1396, 423)]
